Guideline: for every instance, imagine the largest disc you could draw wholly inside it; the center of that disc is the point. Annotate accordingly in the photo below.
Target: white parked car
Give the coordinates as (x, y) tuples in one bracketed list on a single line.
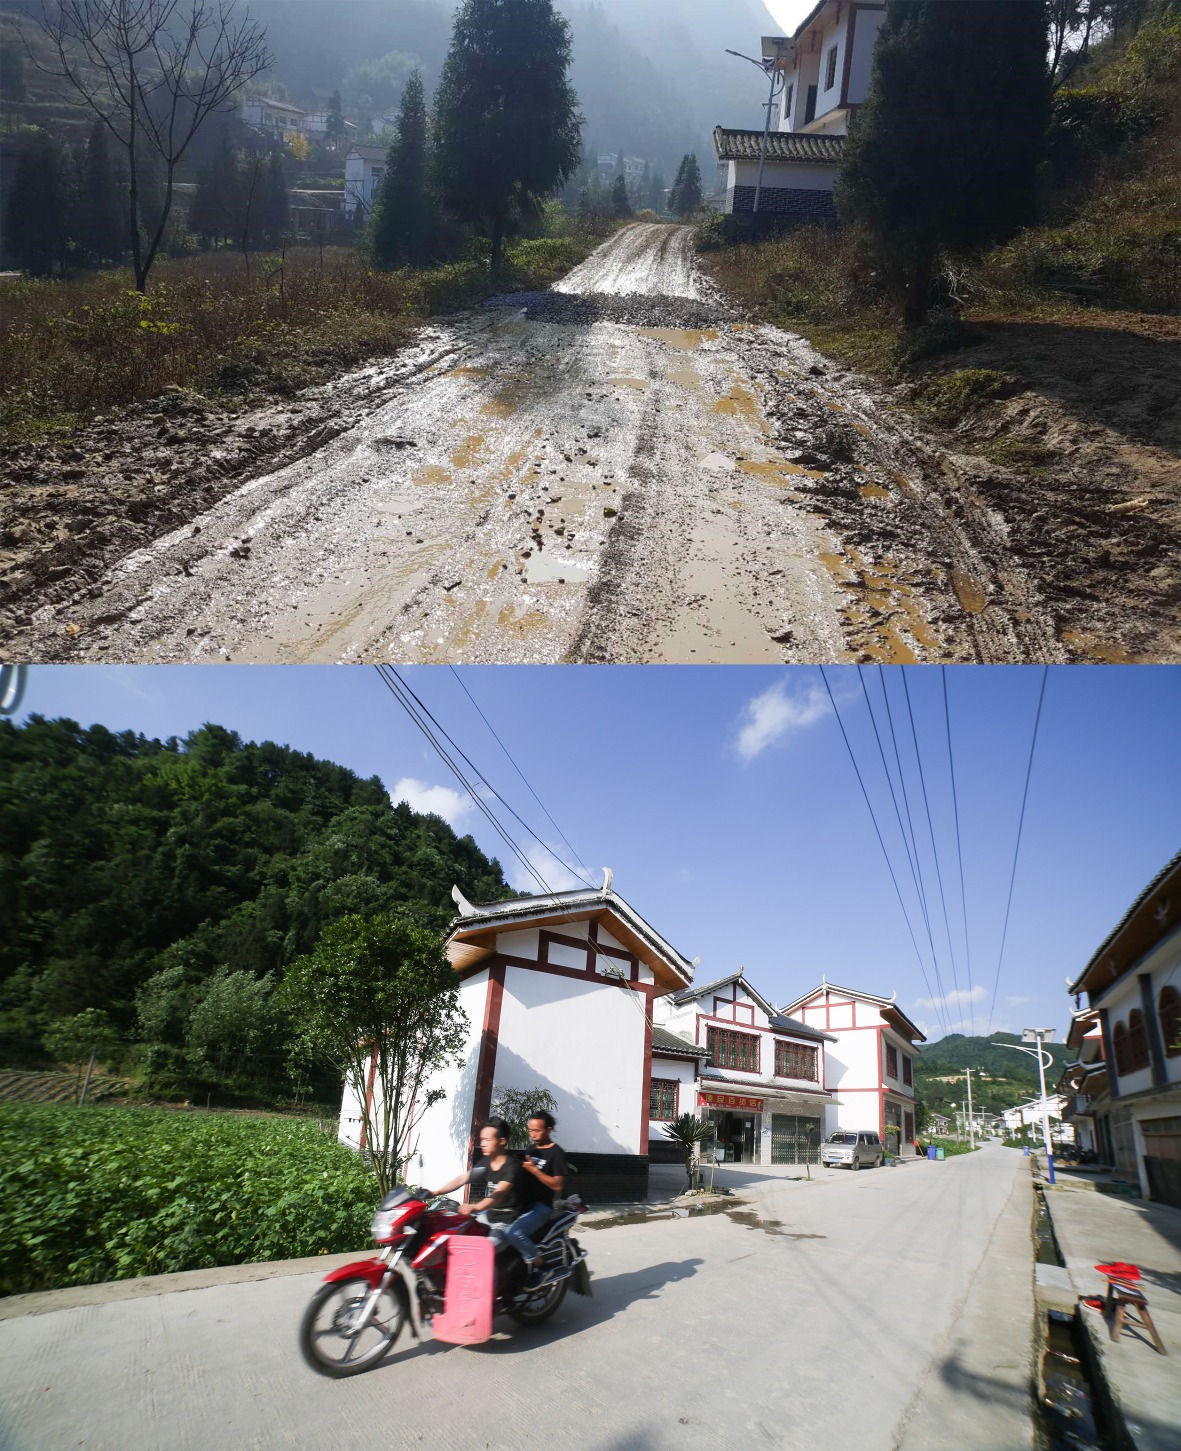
[(849, 1149)]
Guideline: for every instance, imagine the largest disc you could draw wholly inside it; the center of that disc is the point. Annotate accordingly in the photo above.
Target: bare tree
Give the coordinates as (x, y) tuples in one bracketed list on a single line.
[(1072, 24), (152, 71)]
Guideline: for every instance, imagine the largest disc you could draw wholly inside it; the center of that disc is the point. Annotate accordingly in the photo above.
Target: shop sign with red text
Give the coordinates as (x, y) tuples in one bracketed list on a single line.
[(730, 1100)]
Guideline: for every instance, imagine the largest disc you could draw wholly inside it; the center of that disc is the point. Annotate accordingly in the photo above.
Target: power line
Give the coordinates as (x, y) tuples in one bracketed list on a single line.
[(1017, 847), (877, 829), (959, 850), (931, 831), (518, 770), (897, 811)]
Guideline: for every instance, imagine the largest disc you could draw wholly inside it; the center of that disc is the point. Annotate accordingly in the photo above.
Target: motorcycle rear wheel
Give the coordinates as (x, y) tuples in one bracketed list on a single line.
[(327, 1340), (540, 1305)]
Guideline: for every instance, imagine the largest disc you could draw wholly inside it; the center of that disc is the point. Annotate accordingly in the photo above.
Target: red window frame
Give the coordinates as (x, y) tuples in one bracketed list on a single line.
[(728, 1049), (656, 1092), (1119, 1045), (891, 1061), (1137, 1041), (796, 1060), (907, 1071)]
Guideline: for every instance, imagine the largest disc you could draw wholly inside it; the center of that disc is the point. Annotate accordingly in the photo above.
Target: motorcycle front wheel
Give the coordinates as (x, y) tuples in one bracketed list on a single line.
[(329, 1338), (532, 1309)]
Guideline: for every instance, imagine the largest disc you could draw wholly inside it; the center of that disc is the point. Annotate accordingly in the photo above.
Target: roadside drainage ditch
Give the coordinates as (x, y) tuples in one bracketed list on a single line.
[(1074, 1415)]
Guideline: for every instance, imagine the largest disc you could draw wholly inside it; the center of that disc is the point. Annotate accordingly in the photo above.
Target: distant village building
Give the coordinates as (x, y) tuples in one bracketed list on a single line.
[(364, 168), (825, 67), (315, 123), (633, 167), (1084, 1087), (575, 993), (276, 119), (1133, 990), (870, 1065)]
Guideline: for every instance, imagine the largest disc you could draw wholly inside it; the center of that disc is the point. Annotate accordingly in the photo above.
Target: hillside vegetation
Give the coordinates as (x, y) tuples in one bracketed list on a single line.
[(161, 888), (1001, 1078)]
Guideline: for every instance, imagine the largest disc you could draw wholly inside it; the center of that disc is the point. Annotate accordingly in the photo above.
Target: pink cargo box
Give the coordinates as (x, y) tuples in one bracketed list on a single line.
[(466, 1317)]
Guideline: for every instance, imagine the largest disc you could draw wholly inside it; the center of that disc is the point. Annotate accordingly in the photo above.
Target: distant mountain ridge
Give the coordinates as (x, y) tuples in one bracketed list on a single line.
[(957, 1052)]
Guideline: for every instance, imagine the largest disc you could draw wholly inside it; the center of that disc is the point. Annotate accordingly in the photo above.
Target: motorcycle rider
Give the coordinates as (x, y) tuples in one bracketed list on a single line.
[(504, 1191)]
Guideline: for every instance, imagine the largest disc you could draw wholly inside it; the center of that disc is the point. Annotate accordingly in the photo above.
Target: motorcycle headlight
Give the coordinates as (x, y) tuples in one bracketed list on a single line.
[(383, 1223)]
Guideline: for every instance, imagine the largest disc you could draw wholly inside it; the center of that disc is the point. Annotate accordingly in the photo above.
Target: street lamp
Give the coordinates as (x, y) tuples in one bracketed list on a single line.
[(769, 67), (1041, 1053)]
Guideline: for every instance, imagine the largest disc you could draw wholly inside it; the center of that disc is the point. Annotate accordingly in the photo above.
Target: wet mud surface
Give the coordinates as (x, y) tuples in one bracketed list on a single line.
[(617, 470)]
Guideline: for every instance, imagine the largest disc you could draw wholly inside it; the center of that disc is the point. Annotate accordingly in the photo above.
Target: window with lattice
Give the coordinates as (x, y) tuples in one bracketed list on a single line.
[(733, 1050), (891, 1061), (907, 1071), (795, 1060), (1137, 1041), (1119, 1043), (662, 1103)]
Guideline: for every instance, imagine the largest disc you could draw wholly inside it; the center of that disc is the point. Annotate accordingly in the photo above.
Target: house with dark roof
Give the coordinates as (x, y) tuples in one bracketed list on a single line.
[(1132, 985), (760, 1084), (559, 992), (822, 72), (869, 1069)]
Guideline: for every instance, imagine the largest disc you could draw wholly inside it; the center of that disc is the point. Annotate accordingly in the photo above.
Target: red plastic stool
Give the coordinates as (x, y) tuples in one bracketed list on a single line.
[(1122, 1291)]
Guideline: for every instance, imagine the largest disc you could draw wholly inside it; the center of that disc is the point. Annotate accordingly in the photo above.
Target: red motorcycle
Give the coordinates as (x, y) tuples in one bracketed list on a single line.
[(436, 1267)]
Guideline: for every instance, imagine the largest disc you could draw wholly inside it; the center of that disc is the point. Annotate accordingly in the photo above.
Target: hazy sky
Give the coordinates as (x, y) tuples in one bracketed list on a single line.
[(725, 801), (789, 13)]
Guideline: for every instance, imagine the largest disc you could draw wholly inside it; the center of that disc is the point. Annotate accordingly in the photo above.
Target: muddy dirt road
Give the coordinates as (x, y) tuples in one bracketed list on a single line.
[(618, 470)]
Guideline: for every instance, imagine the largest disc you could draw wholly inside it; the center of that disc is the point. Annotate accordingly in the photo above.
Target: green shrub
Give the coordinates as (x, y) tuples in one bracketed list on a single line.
[(950, 1147), (949, 396), (944, 333), (95, 1194)]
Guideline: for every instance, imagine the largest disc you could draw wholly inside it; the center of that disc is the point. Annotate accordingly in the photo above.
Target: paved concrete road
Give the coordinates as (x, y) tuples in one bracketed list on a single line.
[(878, 1310)]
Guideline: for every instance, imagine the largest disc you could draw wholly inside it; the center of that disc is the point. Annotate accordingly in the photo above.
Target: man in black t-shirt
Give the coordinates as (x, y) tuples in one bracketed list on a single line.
[(498, 1171), (545, 1161)]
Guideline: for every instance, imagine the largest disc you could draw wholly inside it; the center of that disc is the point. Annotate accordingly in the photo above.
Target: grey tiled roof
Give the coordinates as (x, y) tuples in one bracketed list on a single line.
[(665, 1042), (733, 145)]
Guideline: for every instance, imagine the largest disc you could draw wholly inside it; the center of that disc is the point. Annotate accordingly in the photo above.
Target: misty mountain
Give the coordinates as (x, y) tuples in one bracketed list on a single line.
[(652, 75)]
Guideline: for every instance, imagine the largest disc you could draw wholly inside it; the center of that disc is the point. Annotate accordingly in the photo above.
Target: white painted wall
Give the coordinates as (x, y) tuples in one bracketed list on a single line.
[(685, 1072), (584, 1043), (865, 37), (795, 176)]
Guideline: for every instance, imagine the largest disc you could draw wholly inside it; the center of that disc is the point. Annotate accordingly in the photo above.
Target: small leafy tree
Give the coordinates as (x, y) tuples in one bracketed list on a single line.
[(685, 198), (516, 1106), (687, 1132), (334, 132), (620, 202), (378, 1000), (39, 204), (72, 1040)]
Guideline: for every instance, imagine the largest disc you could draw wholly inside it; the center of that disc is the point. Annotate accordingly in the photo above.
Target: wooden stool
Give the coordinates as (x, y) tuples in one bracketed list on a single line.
[(1119, 1297)]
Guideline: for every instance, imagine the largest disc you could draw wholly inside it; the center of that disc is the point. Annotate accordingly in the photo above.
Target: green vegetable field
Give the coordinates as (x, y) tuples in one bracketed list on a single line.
[(93, 1194)]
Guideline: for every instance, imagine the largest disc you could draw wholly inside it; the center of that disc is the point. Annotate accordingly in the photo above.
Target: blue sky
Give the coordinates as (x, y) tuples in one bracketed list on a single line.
[(727, 806)]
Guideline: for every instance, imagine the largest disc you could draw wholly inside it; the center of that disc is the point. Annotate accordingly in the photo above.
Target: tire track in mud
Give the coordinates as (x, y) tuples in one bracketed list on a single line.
[(616, 474)]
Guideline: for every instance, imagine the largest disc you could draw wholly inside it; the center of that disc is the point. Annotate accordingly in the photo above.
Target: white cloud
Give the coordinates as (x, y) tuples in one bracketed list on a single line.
[(777, 714), (452, 806), (549, 865), (1018, 1002), (955, 1001)]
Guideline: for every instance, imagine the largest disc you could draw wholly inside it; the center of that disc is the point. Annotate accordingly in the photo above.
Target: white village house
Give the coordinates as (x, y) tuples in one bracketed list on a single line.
[(825, 70), (278, 119), (577, 994), (869, 1069), (364, 167), (1133, 988)]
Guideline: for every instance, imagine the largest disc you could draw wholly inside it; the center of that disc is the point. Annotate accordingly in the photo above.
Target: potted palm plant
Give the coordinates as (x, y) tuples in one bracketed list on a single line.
[(687, 1132)]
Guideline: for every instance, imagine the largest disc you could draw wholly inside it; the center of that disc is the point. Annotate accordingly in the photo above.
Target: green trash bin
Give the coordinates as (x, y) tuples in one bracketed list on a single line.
[(941, 1153)]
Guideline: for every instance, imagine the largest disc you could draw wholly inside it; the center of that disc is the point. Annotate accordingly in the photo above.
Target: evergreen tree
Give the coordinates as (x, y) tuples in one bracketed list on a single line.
[(674, 195), (102, 202), (685, 198), (214, 212), (656, 192), (620, 204), (945, 149), (507, 117), (273, 208), (404, 216), (38, 206), (334, 132)]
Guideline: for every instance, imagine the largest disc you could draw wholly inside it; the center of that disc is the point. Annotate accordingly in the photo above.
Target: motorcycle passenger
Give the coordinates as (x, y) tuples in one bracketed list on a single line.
[(545, 1173)]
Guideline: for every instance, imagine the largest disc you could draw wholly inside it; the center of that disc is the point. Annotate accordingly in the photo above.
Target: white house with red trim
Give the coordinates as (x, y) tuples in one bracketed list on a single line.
[(761, 1083), (869, 1069), (559, 993), (824, 70)]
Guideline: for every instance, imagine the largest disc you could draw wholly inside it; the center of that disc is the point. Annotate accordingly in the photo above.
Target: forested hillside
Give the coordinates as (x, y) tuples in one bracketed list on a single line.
[(1001, 1078), (167, 884)]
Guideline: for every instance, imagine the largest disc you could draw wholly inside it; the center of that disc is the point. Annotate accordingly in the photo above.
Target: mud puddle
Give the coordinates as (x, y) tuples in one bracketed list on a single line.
[(747, 1218)]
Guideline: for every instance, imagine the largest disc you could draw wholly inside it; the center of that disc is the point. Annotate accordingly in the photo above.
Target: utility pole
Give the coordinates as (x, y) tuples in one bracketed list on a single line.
[(769, 68), (971, 1124), (1040, 1036)]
